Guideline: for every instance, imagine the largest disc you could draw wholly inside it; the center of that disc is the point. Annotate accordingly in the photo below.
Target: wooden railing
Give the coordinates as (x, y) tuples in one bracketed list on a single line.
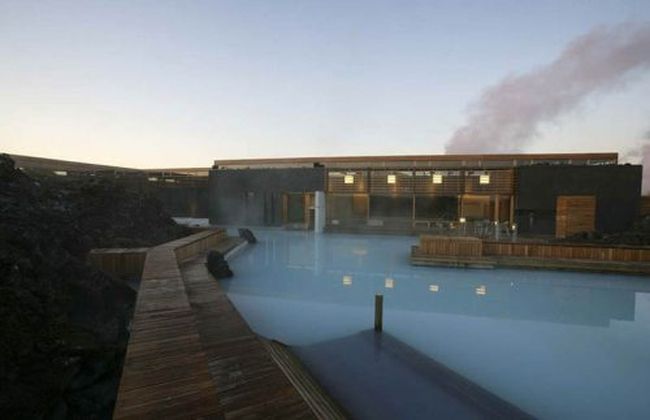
[(567, 251), (474, 247)]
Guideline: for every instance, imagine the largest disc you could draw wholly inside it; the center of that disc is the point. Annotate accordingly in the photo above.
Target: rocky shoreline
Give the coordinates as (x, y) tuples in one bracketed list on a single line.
[(64, 324)]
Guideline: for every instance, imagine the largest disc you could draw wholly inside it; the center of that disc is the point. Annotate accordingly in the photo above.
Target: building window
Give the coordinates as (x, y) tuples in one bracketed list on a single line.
[(437, 178), (484, 179), (348, 179), (391, 179)]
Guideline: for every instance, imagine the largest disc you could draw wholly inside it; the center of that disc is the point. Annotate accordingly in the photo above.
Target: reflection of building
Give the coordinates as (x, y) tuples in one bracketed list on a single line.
[(410, 192), (334, 272)]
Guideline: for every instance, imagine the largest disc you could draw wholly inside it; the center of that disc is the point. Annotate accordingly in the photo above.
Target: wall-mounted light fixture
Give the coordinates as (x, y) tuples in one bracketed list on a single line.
[(484, 179), (347, 280), (437, 178), (481, 291), (389, 283), (434, 288), (391, 179), (462, 220), (152, 178), (61, 173), (348, 179)]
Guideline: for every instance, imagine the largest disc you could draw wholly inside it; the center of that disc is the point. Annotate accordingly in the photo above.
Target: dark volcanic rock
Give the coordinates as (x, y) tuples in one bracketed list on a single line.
[(217, 265), (247, 235), (64, 323), (638, 235)]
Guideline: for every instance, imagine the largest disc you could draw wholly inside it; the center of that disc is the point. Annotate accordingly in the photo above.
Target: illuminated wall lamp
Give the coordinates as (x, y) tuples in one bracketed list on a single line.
[(348, 179), (391, 179), (484, 179), (437, 178)]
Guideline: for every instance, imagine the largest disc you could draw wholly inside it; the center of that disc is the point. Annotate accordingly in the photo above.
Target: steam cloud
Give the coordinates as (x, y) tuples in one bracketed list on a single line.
[(507, 115), (643, 154)]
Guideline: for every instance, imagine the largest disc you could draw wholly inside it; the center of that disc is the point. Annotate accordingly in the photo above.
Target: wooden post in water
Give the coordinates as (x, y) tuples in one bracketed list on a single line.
[(379, 312)]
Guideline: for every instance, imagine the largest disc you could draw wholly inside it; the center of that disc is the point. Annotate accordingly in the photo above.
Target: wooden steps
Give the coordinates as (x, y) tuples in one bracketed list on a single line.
[(323, 406)]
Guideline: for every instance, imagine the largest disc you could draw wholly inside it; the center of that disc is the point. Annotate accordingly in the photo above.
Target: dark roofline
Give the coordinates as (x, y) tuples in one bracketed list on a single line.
[(419, 158)]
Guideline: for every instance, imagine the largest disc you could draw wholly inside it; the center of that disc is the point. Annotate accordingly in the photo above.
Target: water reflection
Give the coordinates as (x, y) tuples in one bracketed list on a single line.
[(310, 268), (557, 344)]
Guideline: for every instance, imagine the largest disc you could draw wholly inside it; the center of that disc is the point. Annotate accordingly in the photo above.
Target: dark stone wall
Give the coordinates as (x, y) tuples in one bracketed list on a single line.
[(254, 196), (184, 201), (617, 190)]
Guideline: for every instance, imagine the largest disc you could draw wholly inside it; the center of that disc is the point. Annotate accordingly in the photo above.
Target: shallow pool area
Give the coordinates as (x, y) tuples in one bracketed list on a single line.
[(556, 344)]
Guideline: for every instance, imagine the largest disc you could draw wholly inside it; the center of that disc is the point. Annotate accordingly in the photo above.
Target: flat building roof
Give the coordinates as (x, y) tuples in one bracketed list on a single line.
[(442, 161)]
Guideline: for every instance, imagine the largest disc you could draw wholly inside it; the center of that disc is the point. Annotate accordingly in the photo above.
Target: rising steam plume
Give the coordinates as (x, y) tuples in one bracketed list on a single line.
[(507, 115)]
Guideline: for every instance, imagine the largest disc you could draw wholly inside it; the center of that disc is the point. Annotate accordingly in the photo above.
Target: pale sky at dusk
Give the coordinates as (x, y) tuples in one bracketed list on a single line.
[(162, 84)]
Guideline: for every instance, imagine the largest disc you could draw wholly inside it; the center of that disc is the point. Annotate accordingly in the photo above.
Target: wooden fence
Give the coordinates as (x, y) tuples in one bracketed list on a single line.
[(451, 246), (473, 247), (567, 251), (118, 261)]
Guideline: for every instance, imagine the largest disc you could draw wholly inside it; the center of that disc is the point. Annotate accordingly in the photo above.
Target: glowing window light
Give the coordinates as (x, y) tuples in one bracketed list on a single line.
[(462, 220), (347, 280), (153, 178), (61, 173), (484, 179), (434, 288), (389, 283), (481, 291), (391, 179), (348, 179), (171, 181), (437, 178)]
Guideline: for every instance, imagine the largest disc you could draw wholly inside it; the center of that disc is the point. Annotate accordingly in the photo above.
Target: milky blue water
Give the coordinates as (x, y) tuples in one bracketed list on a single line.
[(556, 344)]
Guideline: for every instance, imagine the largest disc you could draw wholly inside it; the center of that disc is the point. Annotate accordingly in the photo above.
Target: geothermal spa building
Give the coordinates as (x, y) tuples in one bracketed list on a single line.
[(541, 194)]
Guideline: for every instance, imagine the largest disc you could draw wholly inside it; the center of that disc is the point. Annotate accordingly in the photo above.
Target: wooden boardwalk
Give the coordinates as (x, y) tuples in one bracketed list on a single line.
[(192, 355), (249, 383), (165, 373)]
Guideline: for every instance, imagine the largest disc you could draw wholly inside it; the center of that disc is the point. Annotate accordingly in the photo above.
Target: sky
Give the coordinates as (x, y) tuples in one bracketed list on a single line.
[(181, 83)]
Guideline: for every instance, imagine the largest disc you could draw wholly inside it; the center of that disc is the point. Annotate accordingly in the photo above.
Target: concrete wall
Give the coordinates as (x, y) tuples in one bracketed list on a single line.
[(617, 190), (254, 196)]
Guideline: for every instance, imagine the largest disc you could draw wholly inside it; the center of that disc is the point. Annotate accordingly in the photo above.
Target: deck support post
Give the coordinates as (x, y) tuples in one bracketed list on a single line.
[(379, 312)]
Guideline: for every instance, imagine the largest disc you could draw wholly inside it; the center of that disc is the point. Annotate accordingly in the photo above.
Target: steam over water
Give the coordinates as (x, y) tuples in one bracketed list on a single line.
[(507, 115)]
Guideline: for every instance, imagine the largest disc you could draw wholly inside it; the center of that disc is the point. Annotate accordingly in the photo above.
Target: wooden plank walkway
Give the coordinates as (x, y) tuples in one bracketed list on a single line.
[(249, 383), (165, 373), (192, 355)]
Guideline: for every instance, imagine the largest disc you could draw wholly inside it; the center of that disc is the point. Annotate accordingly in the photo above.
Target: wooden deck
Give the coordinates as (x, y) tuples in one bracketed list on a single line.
[(165, 373), (192, 355), (249, 382)]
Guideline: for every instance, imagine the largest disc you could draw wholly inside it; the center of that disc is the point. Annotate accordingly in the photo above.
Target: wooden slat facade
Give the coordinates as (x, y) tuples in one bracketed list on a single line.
[(453, 183), (500, 182), (336, 182), (379, 182), (575, 214)]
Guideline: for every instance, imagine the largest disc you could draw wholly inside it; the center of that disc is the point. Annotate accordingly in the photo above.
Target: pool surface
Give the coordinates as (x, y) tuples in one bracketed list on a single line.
[(556, 344)]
